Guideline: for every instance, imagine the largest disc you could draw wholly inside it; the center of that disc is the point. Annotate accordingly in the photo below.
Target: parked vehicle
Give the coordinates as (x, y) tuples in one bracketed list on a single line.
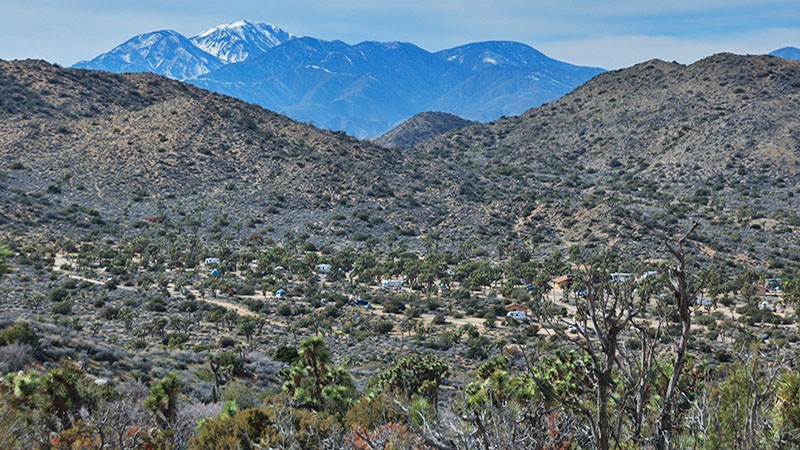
[(519, 315)]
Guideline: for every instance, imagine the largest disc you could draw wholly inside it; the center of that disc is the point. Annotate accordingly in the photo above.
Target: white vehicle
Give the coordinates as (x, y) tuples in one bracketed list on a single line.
[(519, 315), (575, 328), (392, 285)]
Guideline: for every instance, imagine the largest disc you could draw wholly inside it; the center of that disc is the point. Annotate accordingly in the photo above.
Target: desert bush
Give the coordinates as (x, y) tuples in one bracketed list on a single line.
[(240, 393), (63, 308), (384, 327), (247, 290), (227, 342), (14, 357), (20, 333), (285, 354), (58, 295), (187, 420), (284, 310), (394, 306), (478, 348), (109, 313), (188, 306), (175, 340), (156, 305)]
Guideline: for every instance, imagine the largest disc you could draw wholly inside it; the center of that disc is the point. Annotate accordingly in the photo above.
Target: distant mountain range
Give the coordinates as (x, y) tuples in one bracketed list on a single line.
[(788, 53), (364, 89)]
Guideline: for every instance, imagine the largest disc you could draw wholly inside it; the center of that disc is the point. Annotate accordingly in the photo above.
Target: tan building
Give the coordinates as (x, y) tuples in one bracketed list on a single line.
[(563, 282)]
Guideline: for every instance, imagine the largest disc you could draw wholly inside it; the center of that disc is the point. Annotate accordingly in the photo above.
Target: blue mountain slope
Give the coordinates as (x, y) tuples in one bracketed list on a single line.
[(787, 53), (505, 78), (365, 89), (164, 52)]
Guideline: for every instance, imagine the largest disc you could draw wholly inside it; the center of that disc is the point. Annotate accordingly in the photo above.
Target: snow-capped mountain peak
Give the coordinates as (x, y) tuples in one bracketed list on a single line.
[(365, 89), (164, 52), (240, 40), (224, 26)]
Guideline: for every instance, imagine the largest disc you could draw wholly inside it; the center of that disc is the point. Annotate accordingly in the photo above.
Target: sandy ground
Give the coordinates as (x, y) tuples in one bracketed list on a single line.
[(63, 260)]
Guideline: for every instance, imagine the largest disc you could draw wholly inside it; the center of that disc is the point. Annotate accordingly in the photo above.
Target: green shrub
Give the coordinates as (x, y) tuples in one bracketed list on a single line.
[(156, 306), (19, 333), (175, 340), (63, 308), (247, 290), (188, 306), (284, 310), (109, 313), (285, 354), (394, 306), (227, 342), (384, 327)]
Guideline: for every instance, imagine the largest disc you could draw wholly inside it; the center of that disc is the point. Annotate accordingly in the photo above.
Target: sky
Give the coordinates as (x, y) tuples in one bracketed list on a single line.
[(599, 33)]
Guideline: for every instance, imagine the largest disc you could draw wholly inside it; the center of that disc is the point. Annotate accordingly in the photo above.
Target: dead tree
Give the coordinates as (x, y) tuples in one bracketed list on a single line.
[(610, 307), (684, 297)]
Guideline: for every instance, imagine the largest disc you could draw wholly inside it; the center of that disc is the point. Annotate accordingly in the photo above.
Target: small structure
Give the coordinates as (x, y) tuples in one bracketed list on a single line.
[(646, 275), (519, 315), (210, 261), (765, 305), (704, 302), (516, 307), (392, 285), (563, 282), (323, 268), (576, 328), (773, 284), (216, 273), (620, 277), (280, 293)]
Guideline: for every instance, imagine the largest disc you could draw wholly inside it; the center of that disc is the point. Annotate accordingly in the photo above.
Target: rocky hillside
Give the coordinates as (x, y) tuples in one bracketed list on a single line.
[(629, 157), (82, 148), (653, 145), (422, 126)]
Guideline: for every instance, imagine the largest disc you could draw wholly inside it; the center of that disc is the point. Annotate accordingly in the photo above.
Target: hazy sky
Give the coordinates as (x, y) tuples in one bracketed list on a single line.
[(608, 34)]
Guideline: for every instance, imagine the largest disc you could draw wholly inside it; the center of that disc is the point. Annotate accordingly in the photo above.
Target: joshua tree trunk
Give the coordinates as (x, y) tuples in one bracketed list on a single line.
[(684, 300)]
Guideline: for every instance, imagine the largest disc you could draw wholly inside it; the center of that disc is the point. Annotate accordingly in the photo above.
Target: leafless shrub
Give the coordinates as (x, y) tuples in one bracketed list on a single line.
[(14, 357), (188, 417), (122, 422)]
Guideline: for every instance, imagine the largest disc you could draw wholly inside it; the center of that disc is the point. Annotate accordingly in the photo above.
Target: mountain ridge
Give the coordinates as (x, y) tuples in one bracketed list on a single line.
[(163, 52), (366, 88), (135, 147), (420, 127), (238, 41), (657, 143), (787, 52), (625, 159)]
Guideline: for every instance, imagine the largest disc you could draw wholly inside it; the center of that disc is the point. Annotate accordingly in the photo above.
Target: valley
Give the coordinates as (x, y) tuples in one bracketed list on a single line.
[(182, 269)]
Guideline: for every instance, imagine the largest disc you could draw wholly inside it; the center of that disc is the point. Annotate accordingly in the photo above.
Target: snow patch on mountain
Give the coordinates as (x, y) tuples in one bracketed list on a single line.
[(164, 52), (364, 89), (240, 40)]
